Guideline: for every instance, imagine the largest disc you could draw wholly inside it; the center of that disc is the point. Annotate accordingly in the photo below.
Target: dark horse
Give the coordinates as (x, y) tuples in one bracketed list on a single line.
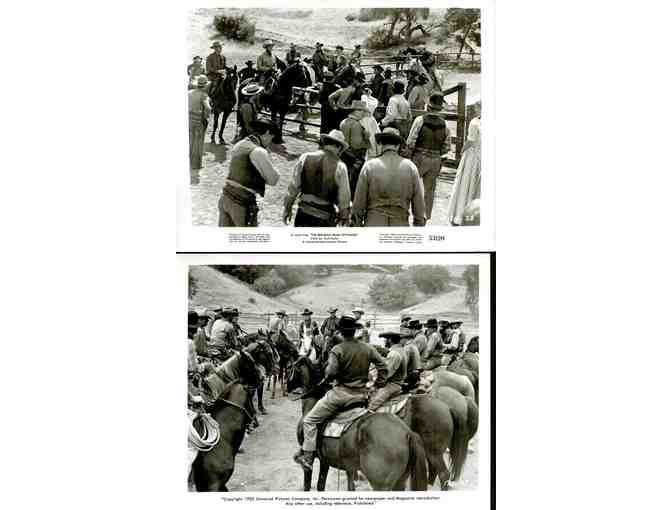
[(288, 354), (233, 411), (433, 420), (278, 93), (259, 346), (223, 96), (379, 445)]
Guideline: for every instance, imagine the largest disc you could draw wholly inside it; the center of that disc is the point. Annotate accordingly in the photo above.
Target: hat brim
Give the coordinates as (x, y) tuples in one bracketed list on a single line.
[(326, 138), (388, 138)]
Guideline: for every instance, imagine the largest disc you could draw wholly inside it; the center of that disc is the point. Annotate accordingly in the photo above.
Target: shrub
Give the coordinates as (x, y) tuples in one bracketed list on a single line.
[(379, 39), (294, 275), (238, 28), (270, 284), (392, 291), (372, 14), (430, 279), (350, 17), (251, 300)]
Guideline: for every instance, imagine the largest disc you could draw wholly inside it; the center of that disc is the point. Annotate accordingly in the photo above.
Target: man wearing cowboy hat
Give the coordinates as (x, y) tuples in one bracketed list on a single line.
[(266, 61), (199, 112), (328, 327), (320, 178), (385, 93), (337, 60), (200, 336), (376, 82), (194, 70), (247, 72), (348, 365), (250, 171), (328, 116), (398, 111), (357, 139), (432, 355), (340, 99), (456, 338), (278, 324), (414, 365), (291, 54), (308, 326), (388, 187), (223, 335), (419, 338), (418, 96), (397, 370), (356, 54), (248, 108), (428, 139), (216, 62), (320, 61)]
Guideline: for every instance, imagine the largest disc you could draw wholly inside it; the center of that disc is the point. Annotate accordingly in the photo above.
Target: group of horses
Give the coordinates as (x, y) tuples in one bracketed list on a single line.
[(387, 449)]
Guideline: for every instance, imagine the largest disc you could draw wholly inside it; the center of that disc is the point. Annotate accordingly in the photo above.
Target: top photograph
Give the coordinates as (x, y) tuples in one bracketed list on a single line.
[(366, 117)]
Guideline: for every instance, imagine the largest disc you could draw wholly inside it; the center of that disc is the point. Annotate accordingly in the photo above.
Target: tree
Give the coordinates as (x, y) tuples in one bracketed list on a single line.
[(247, 274), (430, 279), (470, 277), (396, 291), (270, 284), (464, 25), (405, 20)]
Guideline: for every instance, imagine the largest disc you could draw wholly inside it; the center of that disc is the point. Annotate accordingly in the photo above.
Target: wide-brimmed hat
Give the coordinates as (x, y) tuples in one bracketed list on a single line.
[(216, 44), (443, 323), (306, 311), (389, 135), (347, 323), (339, 47), (228, 310), (334, 135), (262, 125), (281, 312), (318, 44), (358, 45), (201, 81), (432, 323), (377, 66), (358, 310), (192, 319), (332, 309), (267, 43), (249, 63), (414, 324), (456, 323), (251, 89), (217, 309), (405, 317), (197, 57), (388, 71), (236, 313), (358, 104), (435, 101)]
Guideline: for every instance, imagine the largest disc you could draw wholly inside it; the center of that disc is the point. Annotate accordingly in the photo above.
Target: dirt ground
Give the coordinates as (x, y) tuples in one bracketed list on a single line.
[(207, 184), (267, 465)]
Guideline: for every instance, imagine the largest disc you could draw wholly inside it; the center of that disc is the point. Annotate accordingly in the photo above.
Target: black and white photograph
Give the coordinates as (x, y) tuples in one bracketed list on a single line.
[(338, 377), (334, 117)]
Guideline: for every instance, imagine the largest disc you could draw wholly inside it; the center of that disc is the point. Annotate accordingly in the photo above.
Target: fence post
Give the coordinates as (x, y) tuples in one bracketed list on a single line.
[(461, 119)]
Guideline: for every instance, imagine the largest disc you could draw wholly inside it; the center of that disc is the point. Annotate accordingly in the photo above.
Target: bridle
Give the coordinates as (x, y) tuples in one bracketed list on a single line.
[(237, 406)]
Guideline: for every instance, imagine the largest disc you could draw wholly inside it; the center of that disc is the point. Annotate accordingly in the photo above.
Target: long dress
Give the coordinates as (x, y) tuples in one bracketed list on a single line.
[(467, 185)]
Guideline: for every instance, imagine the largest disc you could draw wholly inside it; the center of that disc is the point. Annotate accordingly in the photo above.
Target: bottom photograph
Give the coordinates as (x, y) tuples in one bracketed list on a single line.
[(362, 376)]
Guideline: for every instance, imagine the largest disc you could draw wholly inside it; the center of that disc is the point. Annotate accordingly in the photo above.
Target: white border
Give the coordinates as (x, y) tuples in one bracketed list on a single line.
[(215, 239), (459, 500)]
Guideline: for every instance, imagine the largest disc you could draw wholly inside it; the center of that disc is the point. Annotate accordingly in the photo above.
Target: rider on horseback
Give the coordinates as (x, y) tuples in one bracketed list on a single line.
[(349, 365), (223, 338), (434, 351), (397, 364), (266, 62)]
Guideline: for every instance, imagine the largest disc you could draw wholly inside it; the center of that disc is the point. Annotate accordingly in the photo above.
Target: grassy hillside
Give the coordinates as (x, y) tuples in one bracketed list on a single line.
[(214, 288)]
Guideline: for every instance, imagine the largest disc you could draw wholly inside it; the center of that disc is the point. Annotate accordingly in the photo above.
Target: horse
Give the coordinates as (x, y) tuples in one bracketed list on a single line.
[(223, 96), (466, 364), (379, 445), (287, 354), (233, 411), (278, 93), (434, 84), (259, 347), (461, 383)]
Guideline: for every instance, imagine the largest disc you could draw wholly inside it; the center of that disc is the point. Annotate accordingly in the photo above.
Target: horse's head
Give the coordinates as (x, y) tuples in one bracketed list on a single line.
[(248, 369), (301, 375)]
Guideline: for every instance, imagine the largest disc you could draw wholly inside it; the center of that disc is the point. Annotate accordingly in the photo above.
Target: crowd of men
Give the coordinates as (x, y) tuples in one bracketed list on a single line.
[(381, 144)]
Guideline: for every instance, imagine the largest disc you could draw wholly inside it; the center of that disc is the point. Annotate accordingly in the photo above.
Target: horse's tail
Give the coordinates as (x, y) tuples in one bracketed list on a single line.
[(459, 446), (472, 417), (417, 462)]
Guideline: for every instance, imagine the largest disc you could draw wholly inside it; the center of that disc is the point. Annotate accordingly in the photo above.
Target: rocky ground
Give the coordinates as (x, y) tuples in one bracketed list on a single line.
[(207, 184), (267, 463)]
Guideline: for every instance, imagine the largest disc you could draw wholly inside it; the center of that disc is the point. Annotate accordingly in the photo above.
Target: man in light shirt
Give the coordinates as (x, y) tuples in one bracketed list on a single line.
[(222, 337), (398, 113), (249, 173), (320, 178), (428, 139), (418, 96), (266, 61)]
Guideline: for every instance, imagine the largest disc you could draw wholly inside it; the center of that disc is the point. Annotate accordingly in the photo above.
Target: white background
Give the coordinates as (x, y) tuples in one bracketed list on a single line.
[(88, 212)]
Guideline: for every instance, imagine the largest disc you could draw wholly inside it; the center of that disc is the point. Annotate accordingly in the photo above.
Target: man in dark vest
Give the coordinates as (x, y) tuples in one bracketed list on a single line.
[(320, 61), (328, 327), (247, 72), (249, 172), (321, 179), (348, 365), (328, 118), (376, 82), (428, 139)]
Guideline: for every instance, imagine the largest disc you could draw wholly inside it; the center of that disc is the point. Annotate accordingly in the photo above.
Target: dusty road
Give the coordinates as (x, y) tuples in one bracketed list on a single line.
[(267, 463), (207, 184)]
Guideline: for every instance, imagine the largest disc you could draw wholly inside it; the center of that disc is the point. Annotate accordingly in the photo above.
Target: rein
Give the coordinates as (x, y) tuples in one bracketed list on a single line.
[(237, 406)]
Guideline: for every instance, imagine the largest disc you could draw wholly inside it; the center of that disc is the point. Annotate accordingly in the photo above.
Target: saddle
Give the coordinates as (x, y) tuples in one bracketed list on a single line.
[(339, 424)]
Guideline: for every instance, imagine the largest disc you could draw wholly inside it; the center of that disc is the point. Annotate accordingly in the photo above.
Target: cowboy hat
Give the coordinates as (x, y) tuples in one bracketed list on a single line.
[(217, 309), (377, 66), (261, 126), (456, 323), (236, 312), (336, 136), (358, 105), (414, 324), (347, 323), (390, 334), (306, 311), (390, 136), (358, 310), (268, 42), (281, 312), (251, 89), (228, 310), (197, 57), (216, 44), (405, 317), (318, 44), (249, 63), (432, 323), (332, 309), (201, 81), (339, 47), (435, 101)]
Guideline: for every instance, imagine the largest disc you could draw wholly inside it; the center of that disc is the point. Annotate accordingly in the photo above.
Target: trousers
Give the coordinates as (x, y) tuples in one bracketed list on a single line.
[(303, 219), (233, 214), (335, 399), (383, 394), (429, 168)]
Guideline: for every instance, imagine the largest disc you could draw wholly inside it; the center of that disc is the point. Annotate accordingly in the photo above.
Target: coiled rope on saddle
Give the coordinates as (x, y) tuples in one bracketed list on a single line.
[(210, 436)]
